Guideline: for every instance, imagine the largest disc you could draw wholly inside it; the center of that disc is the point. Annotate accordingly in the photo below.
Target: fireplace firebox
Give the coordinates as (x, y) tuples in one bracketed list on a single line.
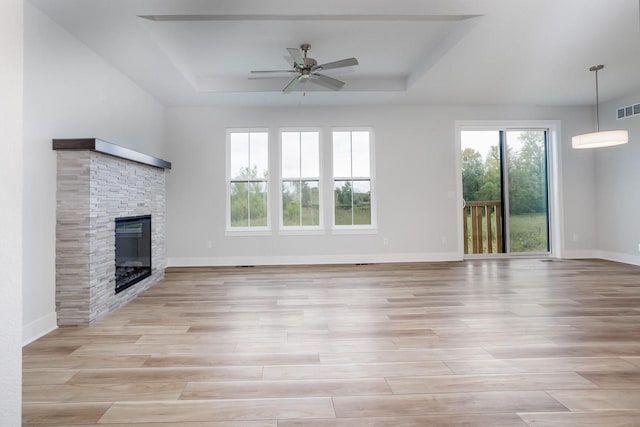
[(133, 250)]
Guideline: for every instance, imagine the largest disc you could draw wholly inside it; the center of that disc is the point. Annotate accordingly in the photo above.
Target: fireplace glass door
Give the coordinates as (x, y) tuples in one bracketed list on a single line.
[(133, 250)]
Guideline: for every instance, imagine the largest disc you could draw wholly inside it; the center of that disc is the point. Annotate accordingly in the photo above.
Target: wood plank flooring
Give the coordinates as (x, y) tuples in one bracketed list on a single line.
[(475, 343)]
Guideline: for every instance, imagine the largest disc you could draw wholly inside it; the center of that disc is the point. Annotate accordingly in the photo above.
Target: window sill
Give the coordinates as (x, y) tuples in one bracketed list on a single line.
[(301, 231), (354, 230), (247, 233)]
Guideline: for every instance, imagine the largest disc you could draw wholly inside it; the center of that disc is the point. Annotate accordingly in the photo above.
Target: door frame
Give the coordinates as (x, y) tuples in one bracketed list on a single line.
[(555, 205)]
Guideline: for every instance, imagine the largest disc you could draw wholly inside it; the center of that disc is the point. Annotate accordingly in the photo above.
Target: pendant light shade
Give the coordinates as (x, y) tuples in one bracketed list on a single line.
[(599, 139)]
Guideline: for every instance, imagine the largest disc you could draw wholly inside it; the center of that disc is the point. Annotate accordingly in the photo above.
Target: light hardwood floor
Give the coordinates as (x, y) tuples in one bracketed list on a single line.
[(475, 343)]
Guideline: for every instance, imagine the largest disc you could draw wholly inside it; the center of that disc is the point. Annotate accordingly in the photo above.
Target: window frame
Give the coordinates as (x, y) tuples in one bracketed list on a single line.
[(248, 230), (355, 228), (302, 229)]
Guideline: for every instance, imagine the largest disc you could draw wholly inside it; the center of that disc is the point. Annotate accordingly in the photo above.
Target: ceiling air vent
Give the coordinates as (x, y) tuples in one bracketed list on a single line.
[(629, 111)]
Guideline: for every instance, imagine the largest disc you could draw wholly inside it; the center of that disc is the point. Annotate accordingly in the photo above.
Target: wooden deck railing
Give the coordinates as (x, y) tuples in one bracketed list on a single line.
[(482, 227)]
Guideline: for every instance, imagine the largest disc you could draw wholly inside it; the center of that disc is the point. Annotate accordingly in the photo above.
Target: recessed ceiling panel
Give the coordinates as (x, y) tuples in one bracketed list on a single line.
[(219, 54)]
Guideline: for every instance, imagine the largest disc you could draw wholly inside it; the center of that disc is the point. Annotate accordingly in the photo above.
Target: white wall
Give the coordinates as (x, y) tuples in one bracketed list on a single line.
[(618, 187), (415, 171), (11, 54), (69, 92)]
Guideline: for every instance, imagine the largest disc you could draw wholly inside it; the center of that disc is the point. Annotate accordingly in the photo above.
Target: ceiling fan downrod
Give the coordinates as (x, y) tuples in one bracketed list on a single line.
[(304, 47)]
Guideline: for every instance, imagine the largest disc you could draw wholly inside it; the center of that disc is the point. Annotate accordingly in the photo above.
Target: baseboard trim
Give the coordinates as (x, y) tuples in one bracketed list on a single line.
[(618, 257), (39, 328), (310, 259)]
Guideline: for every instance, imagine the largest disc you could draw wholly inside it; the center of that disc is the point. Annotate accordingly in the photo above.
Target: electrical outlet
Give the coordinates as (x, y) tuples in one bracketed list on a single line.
[(385, 241), (444, 240), (576, 237), (208, 244), (638, 247)]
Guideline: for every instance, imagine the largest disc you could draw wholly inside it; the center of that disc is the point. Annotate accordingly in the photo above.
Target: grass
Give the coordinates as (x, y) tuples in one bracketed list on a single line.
[(528, 233), (310, 216), (360, 217)]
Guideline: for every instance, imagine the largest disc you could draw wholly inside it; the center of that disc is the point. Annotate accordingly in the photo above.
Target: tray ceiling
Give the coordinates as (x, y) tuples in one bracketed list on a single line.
[(410, 52)]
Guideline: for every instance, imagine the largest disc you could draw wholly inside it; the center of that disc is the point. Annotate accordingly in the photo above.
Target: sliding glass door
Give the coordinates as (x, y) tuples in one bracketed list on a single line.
[(505, 188), (527, 191)]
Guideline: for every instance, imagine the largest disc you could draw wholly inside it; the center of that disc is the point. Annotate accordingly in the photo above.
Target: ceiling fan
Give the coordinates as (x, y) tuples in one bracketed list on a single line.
[(307, 69)]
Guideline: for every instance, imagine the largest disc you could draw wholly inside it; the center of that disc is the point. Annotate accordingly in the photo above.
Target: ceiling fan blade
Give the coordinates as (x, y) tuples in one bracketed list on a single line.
[(270, 74), (296, 54), (289, 60), (326, 81), (268, 77), (272, 71), (292, 84), (337, 64)]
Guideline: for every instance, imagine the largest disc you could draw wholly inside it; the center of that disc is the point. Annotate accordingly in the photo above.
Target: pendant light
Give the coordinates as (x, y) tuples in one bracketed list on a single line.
[(599, 139)]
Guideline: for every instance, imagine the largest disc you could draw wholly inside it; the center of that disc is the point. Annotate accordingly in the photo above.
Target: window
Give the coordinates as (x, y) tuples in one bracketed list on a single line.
[(352, 181), (300, 160), (248, 179)]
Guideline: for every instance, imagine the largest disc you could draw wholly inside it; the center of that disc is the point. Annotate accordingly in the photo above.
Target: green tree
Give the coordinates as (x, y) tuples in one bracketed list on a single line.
[(344, 194), (472, 173), (291, 203), (490, 188), (527, 175), (533, 160), (310, 199), (248, 199), (300, 203)]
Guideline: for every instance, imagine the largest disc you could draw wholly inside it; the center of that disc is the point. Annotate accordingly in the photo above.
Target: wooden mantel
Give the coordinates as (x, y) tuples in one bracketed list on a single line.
[(104, 147)]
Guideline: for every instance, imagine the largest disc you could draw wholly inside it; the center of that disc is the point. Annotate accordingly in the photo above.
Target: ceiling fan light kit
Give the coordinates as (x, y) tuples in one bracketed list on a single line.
[(599, 139), (308, 70)]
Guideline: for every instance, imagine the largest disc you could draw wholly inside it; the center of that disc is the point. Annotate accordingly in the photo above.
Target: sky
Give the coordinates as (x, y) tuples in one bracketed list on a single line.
[(482, 140)]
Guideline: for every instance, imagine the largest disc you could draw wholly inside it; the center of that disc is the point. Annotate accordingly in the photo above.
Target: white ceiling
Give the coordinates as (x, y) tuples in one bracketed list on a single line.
[(507, 52)]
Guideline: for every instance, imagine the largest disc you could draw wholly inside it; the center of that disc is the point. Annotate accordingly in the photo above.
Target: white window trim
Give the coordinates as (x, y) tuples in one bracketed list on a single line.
[(302, 231), (354, 229), (245, 231), (236, 232), (298, 230), (358, 228)]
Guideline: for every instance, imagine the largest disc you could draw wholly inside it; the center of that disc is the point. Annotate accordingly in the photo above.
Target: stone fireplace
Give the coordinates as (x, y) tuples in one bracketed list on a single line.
[(99, 184)]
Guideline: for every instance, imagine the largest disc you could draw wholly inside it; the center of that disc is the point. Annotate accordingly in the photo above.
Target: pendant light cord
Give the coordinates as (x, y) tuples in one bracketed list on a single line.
[(597, 103), (597, 68)]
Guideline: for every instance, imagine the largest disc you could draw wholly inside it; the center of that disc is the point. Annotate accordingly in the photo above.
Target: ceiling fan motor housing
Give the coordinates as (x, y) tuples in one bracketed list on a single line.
[(305, 71)]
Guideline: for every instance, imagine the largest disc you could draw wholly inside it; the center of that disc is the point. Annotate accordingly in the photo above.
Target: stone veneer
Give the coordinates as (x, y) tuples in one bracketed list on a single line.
[(93, 189)]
